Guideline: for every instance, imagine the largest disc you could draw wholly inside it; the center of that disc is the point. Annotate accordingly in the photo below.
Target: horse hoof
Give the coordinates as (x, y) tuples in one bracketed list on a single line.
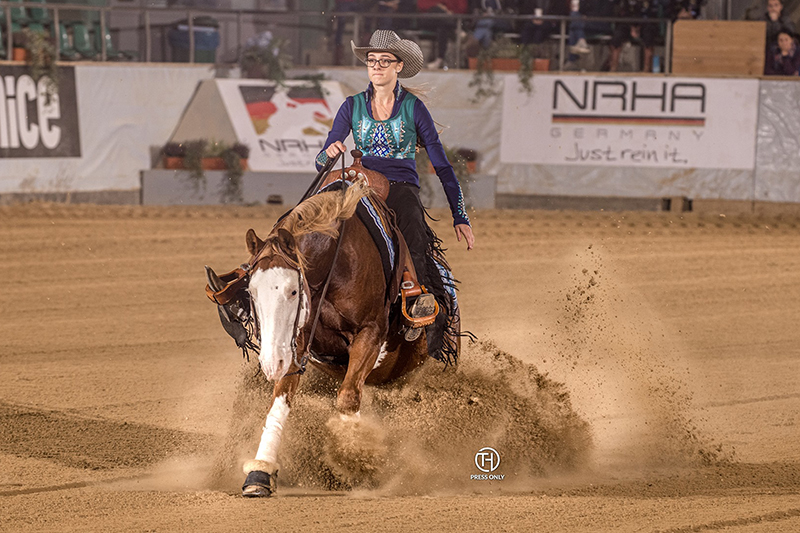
[(259, 484)]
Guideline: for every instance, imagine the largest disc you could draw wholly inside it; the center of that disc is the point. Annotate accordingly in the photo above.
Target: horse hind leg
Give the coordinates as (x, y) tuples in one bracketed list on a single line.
[(262, 472)]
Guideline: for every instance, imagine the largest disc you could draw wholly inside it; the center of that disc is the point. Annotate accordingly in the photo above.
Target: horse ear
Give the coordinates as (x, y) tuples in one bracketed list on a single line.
[(254, 244), (287, 241)]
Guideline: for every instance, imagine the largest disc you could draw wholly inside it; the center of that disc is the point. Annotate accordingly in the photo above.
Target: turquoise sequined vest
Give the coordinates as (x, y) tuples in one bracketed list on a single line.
[(395, 138)]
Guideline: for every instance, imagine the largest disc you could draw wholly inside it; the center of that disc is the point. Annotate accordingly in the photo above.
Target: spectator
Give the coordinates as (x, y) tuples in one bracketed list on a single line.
[(684, 9), (625, 32), (783, 58), (776, 22), (577, 31), (535, 31), (486, 28), (342, 6), (578, 26), (445, 29), (382, 7)]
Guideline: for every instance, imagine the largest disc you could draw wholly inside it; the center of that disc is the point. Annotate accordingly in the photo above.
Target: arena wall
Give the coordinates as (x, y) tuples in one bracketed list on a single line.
[(125, 113)]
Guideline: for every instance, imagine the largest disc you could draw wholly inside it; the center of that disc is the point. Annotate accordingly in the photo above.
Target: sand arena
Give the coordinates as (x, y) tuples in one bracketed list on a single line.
[(637, 371)]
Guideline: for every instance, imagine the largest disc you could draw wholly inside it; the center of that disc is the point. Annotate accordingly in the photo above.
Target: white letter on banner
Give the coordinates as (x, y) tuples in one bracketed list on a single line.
[(51, 135), (26, 91), (3, 119), (13, 132)]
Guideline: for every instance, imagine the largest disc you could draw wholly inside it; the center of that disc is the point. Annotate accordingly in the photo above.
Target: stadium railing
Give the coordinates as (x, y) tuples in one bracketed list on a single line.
[(283, 19)]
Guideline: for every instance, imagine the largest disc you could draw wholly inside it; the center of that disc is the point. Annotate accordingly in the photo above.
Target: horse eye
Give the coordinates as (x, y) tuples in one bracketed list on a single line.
[(294, 293)]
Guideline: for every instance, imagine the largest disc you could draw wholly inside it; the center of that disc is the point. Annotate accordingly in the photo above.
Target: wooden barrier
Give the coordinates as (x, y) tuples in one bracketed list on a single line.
[(710, 47)]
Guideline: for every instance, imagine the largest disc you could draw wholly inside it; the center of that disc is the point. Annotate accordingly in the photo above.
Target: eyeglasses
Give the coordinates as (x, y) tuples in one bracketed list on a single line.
[(383, 62)]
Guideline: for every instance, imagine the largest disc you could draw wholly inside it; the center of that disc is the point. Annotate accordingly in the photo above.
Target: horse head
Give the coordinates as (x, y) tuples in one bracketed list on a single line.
[(279, 296)]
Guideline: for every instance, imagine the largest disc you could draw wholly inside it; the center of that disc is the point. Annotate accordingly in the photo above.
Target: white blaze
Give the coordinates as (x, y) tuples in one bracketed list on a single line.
[(275, 293)]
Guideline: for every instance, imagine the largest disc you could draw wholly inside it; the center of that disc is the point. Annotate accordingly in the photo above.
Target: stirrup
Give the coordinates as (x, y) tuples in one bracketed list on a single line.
[(423, 312)]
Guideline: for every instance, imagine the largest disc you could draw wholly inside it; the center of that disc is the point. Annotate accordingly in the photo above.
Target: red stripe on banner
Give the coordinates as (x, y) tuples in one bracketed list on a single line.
[(312, 101), (638, 121), (261, 109)]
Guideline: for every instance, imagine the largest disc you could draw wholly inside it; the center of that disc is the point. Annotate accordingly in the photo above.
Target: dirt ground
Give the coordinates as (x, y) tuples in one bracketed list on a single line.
[(674, 337)]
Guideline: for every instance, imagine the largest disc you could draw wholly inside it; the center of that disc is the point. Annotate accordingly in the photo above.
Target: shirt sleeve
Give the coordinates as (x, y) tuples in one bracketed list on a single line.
[(426, 129), (339, 131)]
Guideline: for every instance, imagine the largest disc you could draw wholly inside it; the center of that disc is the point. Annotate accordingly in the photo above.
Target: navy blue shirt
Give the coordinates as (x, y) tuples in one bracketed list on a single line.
[(402, 169)]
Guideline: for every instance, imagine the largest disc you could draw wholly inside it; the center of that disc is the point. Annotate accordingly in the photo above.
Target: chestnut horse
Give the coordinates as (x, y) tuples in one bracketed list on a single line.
[(321, 248)]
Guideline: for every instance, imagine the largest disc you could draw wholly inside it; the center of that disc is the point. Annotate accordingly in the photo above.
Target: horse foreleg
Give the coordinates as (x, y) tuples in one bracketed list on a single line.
[(363, 354), (263, 470)]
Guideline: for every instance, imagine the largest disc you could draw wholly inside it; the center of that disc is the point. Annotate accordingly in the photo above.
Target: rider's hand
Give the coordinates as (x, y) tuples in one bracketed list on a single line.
[(336, 148), (466, 231)]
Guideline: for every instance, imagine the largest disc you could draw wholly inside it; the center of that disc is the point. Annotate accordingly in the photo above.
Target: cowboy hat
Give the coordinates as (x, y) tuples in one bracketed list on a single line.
[(407, 51)]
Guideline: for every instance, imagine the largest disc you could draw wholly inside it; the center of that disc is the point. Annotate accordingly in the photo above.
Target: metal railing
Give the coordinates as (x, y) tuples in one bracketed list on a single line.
[(288, 18), (563, 22)]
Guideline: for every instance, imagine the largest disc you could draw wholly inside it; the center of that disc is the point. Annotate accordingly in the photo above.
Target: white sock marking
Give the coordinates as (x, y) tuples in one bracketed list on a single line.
[(273, 429)]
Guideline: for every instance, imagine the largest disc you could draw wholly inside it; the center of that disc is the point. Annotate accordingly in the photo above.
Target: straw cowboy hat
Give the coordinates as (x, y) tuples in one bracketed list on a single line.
[(387, 41)]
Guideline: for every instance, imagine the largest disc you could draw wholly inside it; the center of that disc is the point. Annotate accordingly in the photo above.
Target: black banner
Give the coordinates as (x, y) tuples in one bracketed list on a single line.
[(33, 125)]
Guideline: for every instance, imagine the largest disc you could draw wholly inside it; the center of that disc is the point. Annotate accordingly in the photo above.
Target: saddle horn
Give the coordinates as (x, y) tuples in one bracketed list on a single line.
[(214, 281)]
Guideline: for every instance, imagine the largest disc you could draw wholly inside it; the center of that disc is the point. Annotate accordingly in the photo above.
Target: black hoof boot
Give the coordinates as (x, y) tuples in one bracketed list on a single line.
[(259, 484)]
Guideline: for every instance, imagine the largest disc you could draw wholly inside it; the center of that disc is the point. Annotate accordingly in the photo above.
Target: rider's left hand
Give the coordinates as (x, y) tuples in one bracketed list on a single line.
[(466, 231)]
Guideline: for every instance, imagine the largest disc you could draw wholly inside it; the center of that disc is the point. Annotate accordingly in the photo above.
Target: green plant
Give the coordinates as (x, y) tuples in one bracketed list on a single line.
[(232, 185), (193, 153), (41, 59), (264, 57), (484, 81)]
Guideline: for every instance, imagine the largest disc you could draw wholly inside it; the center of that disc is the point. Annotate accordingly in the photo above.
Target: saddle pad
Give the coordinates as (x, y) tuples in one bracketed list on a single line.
[(377, 227)]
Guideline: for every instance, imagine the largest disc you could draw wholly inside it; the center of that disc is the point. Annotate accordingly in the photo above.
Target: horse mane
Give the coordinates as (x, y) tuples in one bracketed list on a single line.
[(320, 213)]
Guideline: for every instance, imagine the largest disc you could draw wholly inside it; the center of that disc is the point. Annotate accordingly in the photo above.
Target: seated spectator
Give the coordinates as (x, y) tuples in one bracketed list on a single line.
[(578, 26), (776, 21), (535, 31), (445, 29), (684, 9), (382, 7), (625, 32), (783, 58), (577, 31), (486, 28), (342, 6)]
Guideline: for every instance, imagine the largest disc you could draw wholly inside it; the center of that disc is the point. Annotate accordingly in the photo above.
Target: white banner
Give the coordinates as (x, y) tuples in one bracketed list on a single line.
[(123, 112), (284, 126), (631, 121)]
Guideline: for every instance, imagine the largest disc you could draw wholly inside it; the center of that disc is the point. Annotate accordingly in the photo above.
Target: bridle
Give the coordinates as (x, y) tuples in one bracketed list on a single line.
[(303, 288)]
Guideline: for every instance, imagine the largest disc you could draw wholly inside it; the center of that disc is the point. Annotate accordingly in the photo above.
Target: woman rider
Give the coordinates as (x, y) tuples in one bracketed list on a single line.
[(387, 121)]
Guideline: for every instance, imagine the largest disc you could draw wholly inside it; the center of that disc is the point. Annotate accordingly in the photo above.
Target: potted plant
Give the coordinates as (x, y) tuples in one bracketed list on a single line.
[(40, 55), (201, 155), (504, 55), (263, 57)]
